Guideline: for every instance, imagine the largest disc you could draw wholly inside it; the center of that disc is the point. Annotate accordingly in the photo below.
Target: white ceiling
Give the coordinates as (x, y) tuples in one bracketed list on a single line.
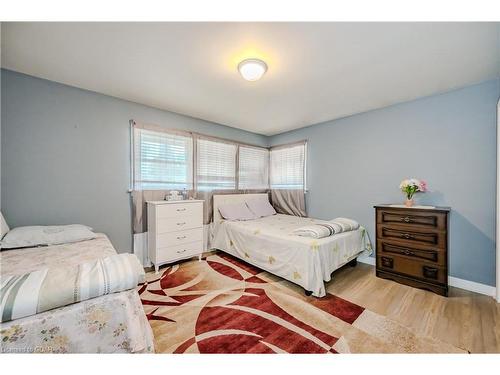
[(317, 71)]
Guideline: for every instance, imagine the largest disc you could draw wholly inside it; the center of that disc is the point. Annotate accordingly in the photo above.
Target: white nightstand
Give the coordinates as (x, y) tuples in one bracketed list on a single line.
[(175, 230)]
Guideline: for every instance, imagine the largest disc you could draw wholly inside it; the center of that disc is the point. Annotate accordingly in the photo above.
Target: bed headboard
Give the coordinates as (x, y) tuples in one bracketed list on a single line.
[(232, 199)]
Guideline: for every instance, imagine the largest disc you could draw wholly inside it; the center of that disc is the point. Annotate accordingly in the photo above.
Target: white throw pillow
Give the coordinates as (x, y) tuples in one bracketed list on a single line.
[(46, 235), (237, 211), (4, 228), (261, 207)]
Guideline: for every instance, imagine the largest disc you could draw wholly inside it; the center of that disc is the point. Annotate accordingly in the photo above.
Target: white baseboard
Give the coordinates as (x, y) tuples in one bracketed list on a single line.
[(472, 286), (367, 260), (452, 281)]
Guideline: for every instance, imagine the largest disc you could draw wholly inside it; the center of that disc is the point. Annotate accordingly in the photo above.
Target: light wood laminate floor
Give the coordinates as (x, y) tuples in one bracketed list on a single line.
[(464, 319)]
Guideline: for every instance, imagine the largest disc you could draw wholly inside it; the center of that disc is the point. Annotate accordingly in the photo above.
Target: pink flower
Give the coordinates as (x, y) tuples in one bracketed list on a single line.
[(423, 186)]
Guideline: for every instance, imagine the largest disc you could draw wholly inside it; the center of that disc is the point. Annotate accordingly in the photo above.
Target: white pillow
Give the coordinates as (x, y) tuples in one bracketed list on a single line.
[(4, 228), (46, 235), (237, 211), (261, 207)]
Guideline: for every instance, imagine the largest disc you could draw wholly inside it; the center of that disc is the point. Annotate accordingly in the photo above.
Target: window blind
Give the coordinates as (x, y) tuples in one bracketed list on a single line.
[(162, 160), (216, 165), (288, 167), (253, 168)]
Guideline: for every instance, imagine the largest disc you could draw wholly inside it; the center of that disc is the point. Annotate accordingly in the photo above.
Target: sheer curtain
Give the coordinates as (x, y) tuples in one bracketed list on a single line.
[(288, 178)]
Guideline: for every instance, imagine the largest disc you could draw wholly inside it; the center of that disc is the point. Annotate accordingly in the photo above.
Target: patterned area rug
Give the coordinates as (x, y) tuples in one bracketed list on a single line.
[(223, 305)]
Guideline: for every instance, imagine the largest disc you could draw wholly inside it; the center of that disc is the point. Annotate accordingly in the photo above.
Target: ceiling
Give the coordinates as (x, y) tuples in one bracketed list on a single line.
[(317, 71)]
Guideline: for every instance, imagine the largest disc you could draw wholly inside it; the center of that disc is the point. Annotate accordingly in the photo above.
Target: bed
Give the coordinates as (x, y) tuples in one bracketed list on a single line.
[(267, 243), (112, 323)]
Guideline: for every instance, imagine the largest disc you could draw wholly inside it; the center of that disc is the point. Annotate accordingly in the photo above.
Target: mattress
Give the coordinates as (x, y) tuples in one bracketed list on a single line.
[(111, 323), (268, 244)]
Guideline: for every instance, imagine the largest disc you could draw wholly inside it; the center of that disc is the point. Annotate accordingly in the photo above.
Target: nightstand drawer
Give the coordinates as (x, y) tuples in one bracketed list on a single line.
[(174, 224), (417, 252), (179, 237), (411, 267), (412, 235), (414, 219), (175, 210), (173, 253)]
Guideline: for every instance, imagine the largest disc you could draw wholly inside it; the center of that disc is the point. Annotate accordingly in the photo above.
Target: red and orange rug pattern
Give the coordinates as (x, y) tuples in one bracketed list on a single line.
[(223, 305)]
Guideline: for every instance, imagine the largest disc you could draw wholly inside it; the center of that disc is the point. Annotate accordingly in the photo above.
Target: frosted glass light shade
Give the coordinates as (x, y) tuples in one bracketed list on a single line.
[(252, 69)]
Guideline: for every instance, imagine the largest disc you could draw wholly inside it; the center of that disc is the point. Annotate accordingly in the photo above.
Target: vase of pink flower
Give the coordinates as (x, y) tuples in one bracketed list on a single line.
[(411, 186)]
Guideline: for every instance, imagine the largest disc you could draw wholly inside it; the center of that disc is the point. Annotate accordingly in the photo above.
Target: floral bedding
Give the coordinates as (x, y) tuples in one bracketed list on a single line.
[(269, 243), (111, 323)]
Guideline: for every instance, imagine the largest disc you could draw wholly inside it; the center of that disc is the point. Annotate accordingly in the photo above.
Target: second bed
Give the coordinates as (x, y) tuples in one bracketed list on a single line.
[(267, 243)]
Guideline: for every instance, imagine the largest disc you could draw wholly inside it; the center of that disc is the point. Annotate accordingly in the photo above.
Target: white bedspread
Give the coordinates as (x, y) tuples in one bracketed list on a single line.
[(268, 244), (110, 324)]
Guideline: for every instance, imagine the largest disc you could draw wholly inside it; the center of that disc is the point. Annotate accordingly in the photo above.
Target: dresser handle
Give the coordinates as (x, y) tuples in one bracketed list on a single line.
[(407, 236), (181, 209), (406, 219), (181, 238), (181, 223), (387, 262), (430, 272), (181, 251), (408, 252)]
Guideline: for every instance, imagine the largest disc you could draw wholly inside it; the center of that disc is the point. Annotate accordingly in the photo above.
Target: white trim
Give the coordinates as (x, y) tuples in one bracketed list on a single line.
[(452, 281), (472, 286), (498, 205), (368, 260)]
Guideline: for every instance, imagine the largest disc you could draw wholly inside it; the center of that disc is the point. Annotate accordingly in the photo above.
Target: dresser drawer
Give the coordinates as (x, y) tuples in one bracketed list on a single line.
[(412, 235), (173, 253), (411, 218), (411, 267), (412, 251), (179, 209), (179, 237), (174, 224)]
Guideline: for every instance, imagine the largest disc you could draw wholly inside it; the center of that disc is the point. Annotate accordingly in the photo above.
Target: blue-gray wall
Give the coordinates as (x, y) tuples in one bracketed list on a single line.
[(449, 140), (65, 158), (65, 154)]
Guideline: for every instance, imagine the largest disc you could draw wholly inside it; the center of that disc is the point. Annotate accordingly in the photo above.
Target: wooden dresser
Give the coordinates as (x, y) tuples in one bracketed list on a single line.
[(175, 230), (412, 246)]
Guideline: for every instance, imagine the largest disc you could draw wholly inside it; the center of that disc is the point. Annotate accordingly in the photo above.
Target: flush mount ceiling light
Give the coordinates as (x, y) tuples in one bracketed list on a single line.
[(252, 69)]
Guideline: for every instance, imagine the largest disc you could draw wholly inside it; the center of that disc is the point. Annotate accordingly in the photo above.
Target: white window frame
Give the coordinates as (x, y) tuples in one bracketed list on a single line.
[(289, 145), (158, 129), (198, 137), (267, 150), (195, 136)]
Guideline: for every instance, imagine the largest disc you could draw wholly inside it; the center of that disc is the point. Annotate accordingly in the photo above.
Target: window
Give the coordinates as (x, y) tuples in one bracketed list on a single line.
[(253, 168), (162, 160), (216, 164), (288, 166)]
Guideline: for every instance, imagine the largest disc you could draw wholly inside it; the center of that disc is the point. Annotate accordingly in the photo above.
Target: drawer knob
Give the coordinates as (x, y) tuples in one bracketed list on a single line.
[(408, 252), (181, 237), (430, 272), (181, 251), (181, 209), (407, 236), (181, 223), (406, 219), (387, 262)]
